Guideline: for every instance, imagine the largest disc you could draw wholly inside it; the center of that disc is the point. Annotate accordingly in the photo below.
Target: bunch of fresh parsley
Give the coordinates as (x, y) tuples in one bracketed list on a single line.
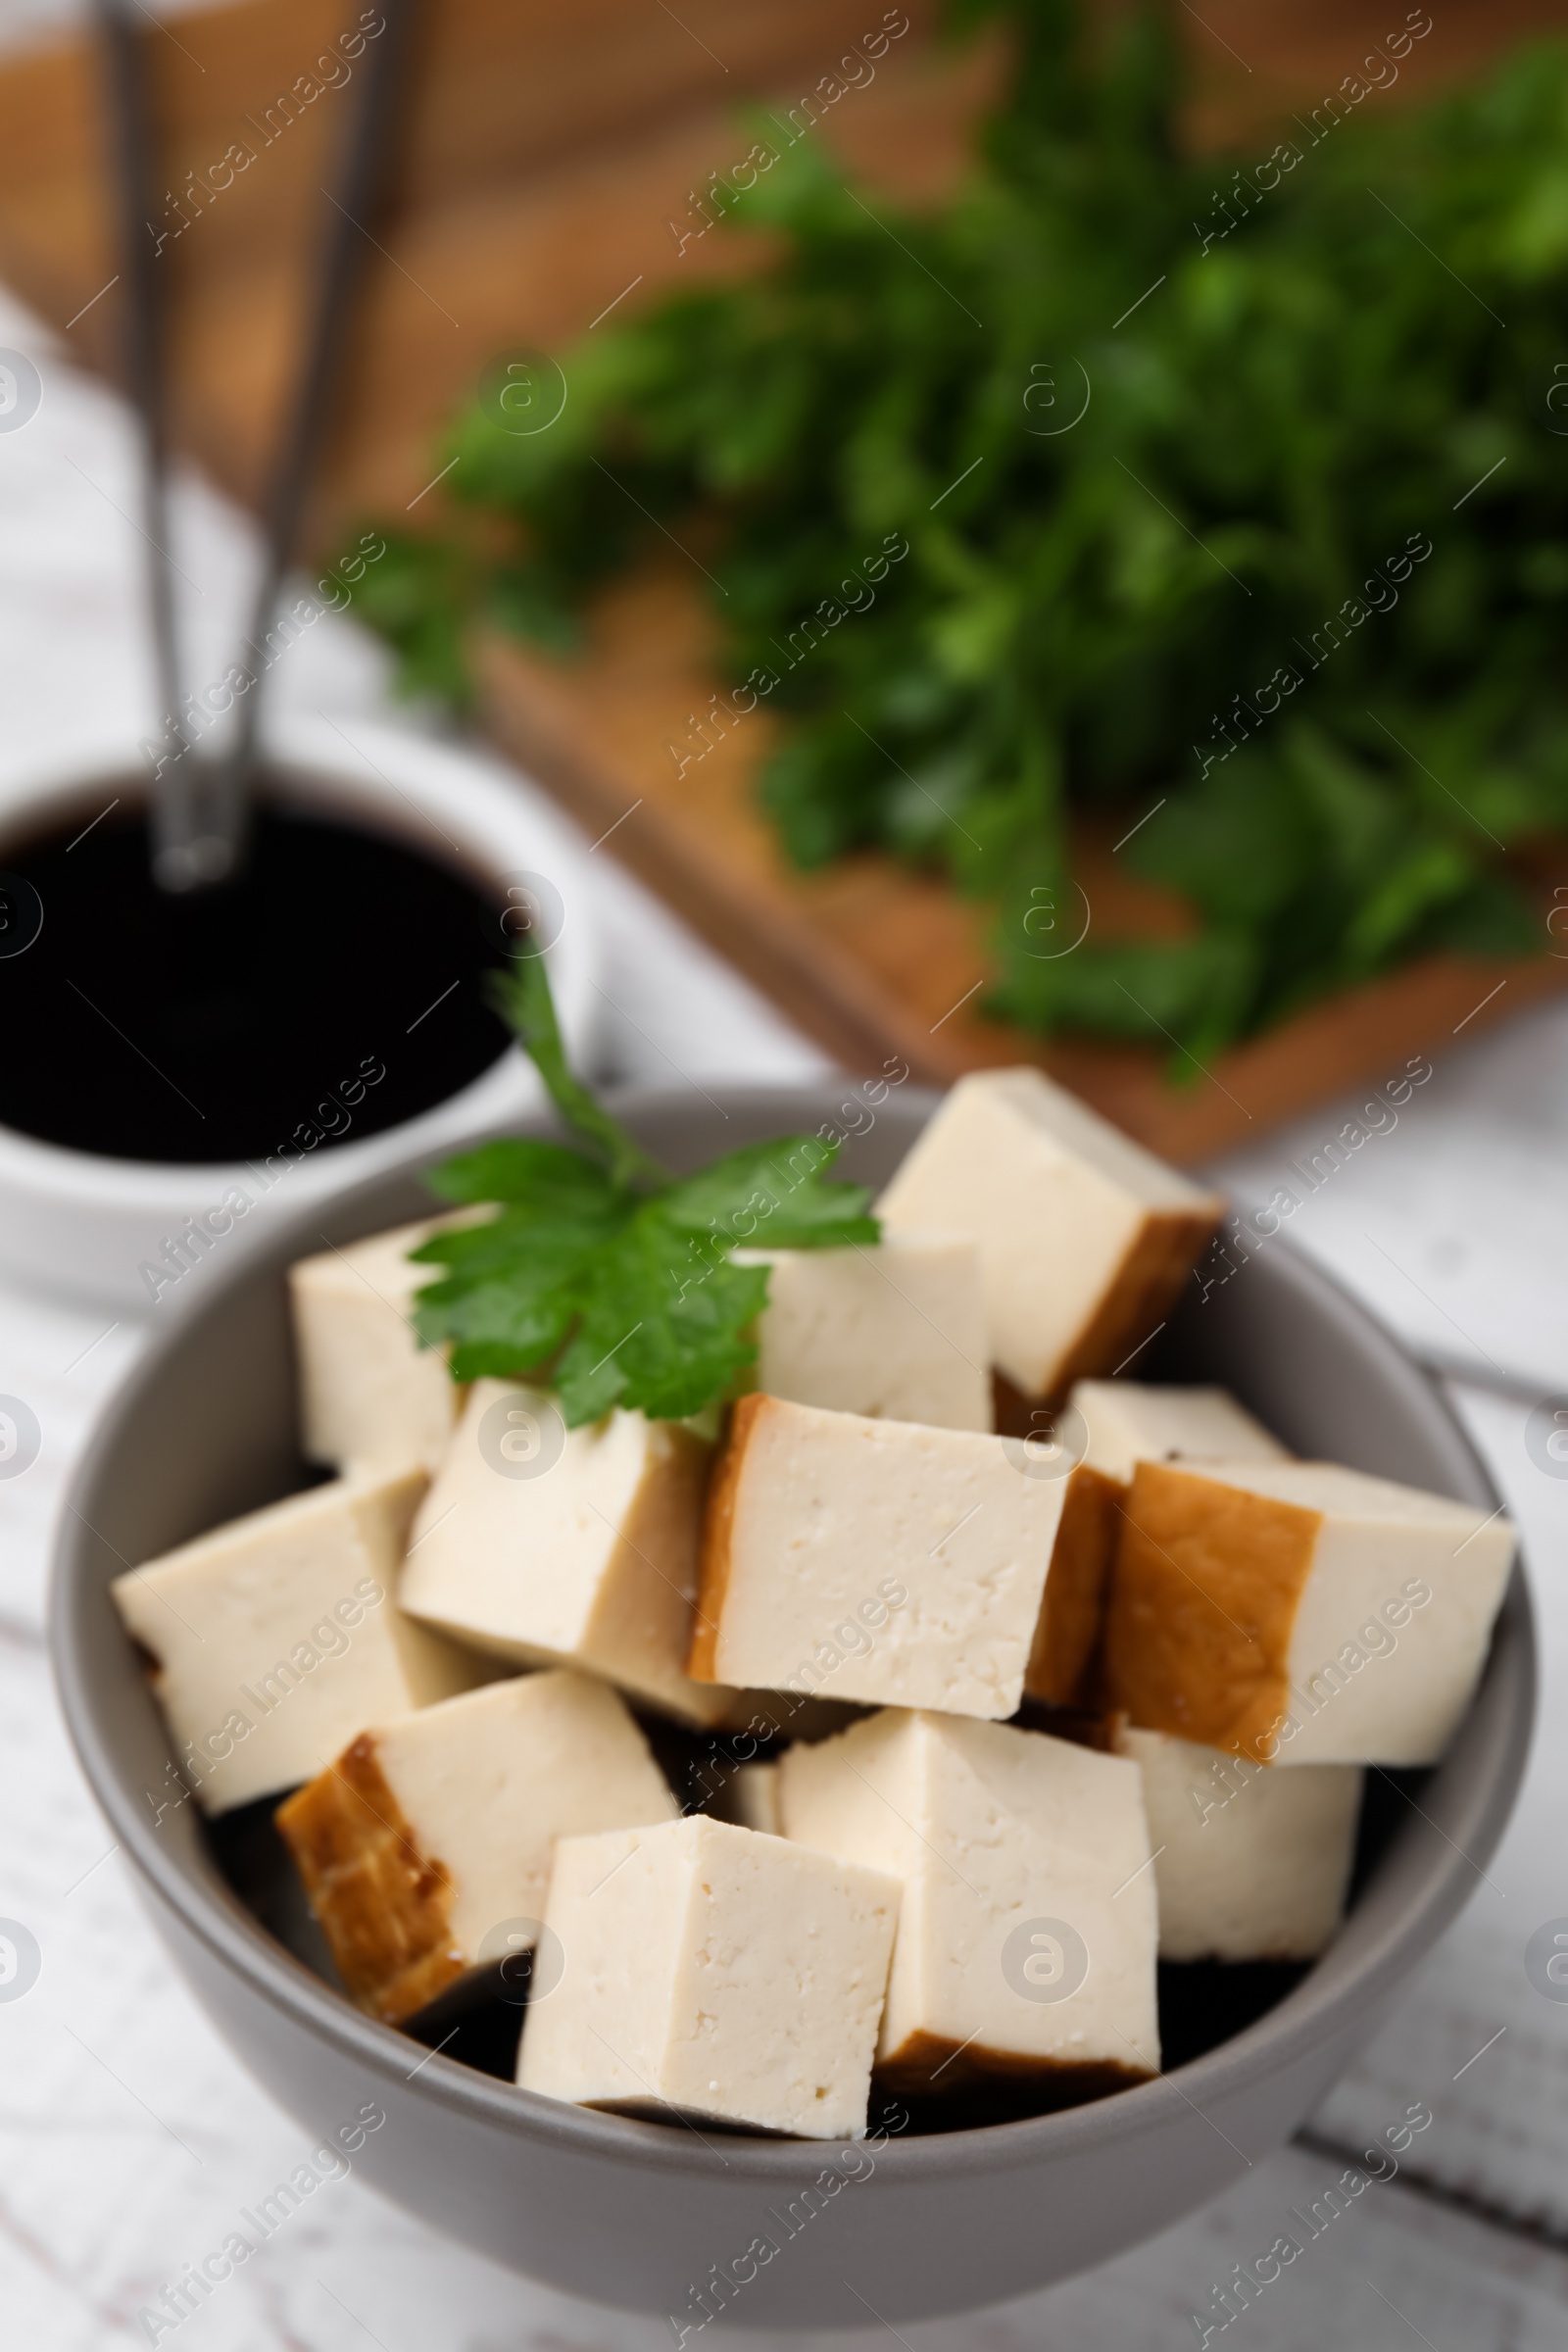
[(1293, 373), (603, 1276)]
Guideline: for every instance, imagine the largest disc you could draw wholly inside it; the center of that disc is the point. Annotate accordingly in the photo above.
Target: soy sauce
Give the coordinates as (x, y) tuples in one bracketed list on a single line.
[(333, 991)]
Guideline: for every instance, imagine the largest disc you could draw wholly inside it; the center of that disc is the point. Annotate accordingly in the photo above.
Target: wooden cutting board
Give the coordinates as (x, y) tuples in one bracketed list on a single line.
[(874, 959), (544, 158)]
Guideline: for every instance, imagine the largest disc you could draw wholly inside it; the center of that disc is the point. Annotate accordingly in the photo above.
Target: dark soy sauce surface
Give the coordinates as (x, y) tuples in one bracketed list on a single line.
[(219, 1026)]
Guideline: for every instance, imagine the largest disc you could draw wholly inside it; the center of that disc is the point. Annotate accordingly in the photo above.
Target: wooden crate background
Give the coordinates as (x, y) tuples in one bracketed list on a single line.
[(543, 153)]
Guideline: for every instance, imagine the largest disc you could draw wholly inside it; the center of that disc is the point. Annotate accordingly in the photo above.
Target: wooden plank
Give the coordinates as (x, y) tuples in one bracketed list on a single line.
[(544, 156), (1253, 68)]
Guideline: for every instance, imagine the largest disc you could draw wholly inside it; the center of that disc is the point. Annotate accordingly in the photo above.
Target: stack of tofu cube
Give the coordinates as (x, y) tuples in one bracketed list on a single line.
[(1035, 1708)]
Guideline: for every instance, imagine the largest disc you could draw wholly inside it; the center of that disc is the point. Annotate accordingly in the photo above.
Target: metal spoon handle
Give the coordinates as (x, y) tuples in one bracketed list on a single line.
[(130, 119), (201, 808), (341, 258)]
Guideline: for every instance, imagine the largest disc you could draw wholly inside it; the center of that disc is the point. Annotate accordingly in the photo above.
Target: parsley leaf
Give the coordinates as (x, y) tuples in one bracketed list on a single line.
[(544, 1179), (657, 1327), (603, 1275), (768, 1192)]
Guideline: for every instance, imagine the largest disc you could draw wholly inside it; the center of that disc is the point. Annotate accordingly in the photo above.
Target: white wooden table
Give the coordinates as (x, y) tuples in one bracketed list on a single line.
[(128, 2136)]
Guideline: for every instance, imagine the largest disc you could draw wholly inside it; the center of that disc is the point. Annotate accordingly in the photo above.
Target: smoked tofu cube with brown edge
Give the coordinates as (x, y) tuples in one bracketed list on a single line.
[(1027, 1932), (1117, 1423), (1085, 1239), (369, 1393), (1063, 1656), (425, 1849), (897, 1333), (850, 1559), (1248, 1864), (1301, 1613), (568, 1547), (715, 1975), (273, 1639)]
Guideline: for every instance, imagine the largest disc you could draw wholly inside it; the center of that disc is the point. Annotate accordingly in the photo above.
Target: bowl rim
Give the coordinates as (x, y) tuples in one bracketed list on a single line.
[(236, 1938)]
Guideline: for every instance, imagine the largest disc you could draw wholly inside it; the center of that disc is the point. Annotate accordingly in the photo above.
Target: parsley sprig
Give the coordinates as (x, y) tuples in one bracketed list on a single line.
[(1187, 618), (601, 1274)]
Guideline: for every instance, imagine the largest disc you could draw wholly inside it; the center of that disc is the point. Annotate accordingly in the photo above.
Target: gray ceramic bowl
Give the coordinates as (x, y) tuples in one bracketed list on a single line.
[(640, 2215)]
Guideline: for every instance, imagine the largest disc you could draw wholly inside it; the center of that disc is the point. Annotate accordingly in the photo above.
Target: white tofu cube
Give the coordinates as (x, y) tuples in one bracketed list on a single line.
[(1027, 1931), (897, 1333), (1301, 1613), (1085, 1239), (715, 1974), (876, 1560), (425, 1847), (568, 1547), (1128, 1422), (1119, 1422), (1248, 1864), (275, 1638), (369, 1393), (749, 1797)]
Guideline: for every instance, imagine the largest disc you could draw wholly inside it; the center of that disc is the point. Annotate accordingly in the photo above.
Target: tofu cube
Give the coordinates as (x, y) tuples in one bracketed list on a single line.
[(1301, 1613), (712, 1974), (1248, 1864), (876, 1560), (897, 1333), (1118, 1422), (1027, 1932), (568, 1547), (425, 1847), (275, 1638), (1127, 1422), (369, 1393), (1085, 1239)]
